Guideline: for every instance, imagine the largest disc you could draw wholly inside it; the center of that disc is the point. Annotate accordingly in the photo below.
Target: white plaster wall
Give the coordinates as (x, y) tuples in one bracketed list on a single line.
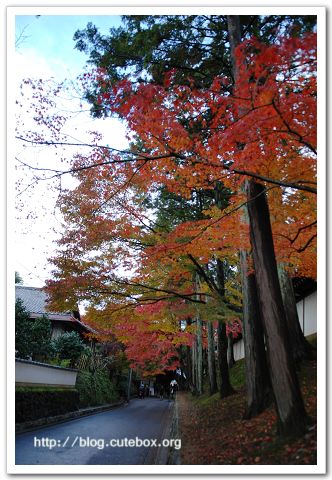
[(42, 374), (307, 311), (299, 307), (239, 350)]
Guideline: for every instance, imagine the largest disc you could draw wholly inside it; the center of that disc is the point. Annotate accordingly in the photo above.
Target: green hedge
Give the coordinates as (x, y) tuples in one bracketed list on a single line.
[(95, 389), (34, 403)]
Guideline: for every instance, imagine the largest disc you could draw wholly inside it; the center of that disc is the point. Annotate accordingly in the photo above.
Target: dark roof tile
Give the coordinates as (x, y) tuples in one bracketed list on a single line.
[(34, 300)]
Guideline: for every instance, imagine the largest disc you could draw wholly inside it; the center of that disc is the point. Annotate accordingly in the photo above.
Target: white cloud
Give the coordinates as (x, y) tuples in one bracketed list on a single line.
[(28, 63), (35, 230)]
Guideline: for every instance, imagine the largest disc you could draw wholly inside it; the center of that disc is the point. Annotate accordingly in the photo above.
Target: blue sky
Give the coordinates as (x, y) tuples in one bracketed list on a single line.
[(46, 49), (51, 36)]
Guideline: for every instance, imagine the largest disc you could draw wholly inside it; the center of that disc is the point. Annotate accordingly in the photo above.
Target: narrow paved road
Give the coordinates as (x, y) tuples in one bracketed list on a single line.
[(87, 440)]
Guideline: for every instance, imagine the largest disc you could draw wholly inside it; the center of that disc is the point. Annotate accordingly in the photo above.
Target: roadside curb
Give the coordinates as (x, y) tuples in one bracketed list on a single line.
[(46, 421), (174, 456), (162, 454)]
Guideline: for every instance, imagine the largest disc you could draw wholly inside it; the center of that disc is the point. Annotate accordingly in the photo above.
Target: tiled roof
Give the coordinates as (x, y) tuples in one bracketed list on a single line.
[(35, 299)]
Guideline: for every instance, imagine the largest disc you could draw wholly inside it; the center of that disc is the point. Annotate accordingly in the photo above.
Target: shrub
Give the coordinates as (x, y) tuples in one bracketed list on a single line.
[(18, 279), (32, 337), (22, 330), (95, 389), (69, 346), (59, 363), (40, 341), (32, 403)]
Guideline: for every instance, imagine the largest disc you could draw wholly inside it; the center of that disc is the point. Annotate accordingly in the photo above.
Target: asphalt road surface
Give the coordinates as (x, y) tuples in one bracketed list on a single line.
[(98, 439)]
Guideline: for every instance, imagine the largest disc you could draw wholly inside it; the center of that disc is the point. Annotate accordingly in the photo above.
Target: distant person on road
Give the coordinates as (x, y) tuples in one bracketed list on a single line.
[(173, 389), (141, 390)]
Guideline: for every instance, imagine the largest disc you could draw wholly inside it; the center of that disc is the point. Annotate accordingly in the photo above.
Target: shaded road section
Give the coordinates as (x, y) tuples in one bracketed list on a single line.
[(87, 440)]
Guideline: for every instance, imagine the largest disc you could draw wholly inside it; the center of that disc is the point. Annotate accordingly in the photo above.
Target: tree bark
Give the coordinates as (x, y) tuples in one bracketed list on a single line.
[(186, 364), (301, 348), (230, 350), (259, 394), (226, 388), (292, 417), (199, 343), (234, 35), (199, 356), (194, 366), (256, 367), (211, 360)]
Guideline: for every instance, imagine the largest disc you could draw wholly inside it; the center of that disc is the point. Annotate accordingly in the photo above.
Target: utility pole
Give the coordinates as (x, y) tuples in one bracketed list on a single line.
[(129, 384)]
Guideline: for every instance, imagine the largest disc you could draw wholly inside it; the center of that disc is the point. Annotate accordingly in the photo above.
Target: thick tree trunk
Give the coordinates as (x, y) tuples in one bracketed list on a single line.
[(257, 376), (292, 417), (194, 366), (234, 35), (199, 358), (301, 348), (205, 362), (226, 388), (186, 364), (230, 350), (188, 361), (259, 394), (213, 387), (199, 342)]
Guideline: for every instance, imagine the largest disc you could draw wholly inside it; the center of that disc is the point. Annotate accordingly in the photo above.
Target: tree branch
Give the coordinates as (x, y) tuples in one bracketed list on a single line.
[(281, 183), (200, 270), (299, 250), (172, 293), (140, 156), (291, 131)]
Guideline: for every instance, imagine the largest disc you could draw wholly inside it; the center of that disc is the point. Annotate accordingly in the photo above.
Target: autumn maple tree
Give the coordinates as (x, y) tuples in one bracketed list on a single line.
[(197, 135)]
